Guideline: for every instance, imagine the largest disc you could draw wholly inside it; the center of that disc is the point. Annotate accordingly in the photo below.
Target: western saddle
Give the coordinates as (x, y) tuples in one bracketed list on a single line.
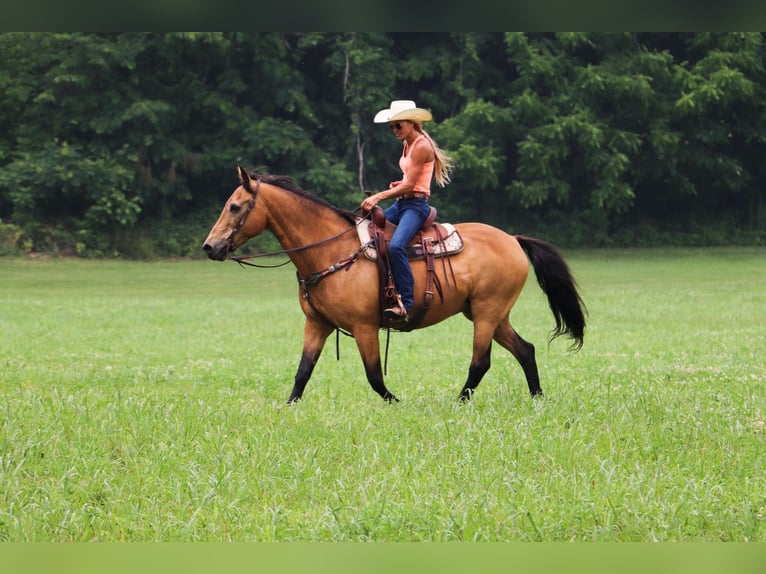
[(428, 243)]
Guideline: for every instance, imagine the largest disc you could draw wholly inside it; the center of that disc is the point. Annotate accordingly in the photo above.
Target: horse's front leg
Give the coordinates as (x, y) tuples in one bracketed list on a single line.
[(481, 360), (369, 348), (315, 334)]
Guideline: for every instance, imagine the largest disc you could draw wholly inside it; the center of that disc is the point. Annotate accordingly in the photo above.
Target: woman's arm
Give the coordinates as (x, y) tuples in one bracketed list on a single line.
[(420, 154)]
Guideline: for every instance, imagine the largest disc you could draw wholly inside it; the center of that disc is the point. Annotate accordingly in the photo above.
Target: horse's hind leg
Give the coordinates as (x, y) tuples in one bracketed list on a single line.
[(524, 353), (315, 334)]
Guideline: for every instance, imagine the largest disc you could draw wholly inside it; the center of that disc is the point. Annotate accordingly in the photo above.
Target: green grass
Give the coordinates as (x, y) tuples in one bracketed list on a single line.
[(145, 401)]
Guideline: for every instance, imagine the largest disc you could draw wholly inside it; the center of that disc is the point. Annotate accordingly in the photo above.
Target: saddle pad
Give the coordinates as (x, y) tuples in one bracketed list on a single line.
[(453, 243)]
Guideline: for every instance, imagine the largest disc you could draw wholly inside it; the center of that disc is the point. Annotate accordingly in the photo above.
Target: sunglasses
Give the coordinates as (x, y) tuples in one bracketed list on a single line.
[(395, 126)]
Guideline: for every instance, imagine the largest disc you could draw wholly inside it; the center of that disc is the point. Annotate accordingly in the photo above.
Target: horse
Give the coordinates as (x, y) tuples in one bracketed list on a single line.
[(338, 288)]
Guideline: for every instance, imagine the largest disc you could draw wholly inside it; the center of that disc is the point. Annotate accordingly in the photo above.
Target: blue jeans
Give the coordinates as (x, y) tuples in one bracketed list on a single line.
[(408, 215)]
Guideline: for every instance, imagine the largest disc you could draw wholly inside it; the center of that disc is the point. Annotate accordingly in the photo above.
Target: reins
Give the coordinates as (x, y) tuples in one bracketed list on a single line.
[(242, 260)]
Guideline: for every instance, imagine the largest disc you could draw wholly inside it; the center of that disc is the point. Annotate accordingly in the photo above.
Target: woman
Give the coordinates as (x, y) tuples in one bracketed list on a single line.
[(421, 160)]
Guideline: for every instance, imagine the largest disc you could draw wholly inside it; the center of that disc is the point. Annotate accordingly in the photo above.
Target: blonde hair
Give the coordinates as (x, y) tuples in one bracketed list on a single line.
[(443, 163)]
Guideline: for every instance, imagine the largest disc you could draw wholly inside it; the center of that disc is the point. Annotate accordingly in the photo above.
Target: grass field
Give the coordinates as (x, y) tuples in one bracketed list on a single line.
[(145, 401)]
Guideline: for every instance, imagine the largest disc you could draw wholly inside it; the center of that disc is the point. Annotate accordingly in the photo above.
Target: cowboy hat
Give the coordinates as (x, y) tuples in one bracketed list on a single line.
[(402, 110)]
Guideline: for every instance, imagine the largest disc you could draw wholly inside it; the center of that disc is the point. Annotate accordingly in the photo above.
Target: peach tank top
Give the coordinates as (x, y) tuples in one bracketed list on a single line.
[(423, 182)]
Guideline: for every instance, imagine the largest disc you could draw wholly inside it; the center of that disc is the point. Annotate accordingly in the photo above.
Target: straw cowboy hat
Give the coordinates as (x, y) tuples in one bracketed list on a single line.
[(402, 110)]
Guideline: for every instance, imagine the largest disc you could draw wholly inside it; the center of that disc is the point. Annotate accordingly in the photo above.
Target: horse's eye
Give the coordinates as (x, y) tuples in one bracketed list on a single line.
[(234, 208)]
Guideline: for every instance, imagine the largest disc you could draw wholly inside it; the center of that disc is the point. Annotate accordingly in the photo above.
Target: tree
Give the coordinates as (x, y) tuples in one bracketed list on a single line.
[(127, 143)]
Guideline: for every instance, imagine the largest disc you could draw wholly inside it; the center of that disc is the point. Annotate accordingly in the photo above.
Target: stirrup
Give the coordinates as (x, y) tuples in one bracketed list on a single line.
[(398, 311)]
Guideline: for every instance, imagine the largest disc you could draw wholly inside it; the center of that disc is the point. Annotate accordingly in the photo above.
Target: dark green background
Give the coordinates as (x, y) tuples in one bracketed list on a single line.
[(126, 143)]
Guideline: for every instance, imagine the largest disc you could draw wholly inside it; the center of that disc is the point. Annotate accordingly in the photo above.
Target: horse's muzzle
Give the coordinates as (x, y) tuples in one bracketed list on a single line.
[(216, 253)]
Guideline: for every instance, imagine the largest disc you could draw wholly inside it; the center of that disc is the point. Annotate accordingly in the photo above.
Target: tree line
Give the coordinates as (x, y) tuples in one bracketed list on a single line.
[(127, 143)]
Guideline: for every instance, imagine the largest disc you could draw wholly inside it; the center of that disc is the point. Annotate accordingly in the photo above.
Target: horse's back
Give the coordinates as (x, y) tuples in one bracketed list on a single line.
[(487, 245)]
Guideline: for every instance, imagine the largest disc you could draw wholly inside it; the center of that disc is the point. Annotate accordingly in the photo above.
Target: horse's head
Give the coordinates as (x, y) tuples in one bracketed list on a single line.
[(240, 220)]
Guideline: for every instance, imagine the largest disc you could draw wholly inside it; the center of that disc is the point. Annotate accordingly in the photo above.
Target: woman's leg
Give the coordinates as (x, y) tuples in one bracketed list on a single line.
[(410, 221)]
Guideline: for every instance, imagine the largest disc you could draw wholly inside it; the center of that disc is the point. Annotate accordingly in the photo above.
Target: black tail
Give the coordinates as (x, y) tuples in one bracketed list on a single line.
[(556, 281)]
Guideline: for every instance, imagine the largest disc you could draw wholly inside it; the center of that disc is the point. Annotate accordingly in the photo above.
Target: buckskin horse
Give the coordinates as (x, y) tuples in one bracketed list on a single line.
[(338, 288)]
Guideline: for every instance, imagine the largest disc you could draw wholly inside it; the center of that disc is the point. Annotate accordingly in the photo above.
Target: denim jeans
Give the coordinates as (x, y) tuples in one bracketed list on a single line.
[(408, 215)]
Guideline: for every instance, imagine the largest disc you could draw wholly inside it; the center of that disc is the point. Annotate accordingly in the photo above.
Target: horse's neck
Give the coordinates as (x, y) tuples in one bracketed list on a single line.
[(298, 222)]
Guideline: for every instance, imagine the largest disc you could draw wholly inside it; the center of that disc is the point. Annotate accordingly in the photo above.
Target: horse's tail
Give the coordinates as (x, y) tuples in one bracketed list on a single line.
[(556, 281)]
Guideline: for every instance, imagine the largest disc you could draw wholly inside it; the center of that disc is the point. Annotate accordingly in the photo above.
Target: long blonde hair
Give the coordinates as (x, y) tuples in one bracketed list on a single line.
[(443, 163)]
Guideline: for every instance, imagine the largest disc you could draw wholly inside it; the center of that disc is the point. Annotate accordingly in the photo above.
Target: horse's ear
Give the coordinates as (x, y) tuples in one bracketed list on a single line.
[(244, 178)]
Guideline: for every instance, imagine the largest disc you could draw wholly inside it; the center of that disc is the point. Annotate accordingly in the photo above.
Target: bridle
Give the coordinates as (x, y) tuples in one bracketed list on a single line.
[(242, 218), (242, 260)]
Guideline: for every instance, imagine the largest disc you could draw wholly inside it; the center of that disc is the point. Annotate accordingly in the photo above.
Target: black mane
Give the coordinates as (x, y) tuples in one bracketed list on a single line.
[(288, 184)]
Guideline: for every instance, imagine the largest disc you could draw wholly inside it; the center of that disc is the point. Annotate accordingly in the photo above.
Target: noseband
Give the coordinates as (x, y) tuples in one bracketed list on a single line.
[(242, 218)]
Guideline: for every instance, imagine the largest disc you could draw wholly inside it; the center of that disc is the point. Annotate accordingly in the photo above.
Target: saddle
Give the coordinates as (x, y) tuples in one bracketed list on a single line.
[(433, 240)]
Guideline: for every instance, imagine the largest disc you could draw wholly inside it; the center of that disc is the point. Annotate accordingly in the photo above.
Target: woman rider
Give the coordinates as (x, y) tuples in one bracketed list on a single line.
[(421, 161)]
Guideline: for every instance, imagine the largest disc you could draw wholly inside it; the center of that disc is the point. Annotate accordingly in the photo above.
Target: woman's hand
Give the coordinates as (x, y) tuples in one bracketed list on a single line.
[(372, 201)]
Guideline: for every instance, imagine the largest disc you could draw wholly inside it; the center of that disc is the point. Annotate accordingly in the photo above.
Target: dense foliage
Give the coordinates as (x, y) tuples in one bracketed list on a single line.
[(127, 143)]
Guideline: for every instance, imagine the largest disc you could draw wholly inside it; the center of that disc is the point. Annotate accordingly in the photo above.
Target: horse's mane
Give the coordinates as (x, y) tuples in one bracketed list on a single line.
[(288, 184)]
